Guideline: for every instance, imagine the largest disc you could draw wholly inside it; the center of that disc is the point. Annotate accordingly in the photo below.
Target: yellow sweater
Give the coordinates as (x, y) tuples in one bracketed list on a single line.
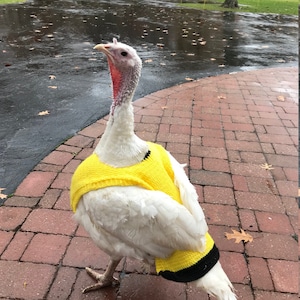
[(153, 173)]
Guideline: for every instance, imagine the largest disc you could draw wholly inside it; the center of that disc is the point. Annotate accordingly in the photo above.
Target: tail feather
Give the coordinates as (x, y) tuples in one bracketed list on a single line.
[(217, 284)]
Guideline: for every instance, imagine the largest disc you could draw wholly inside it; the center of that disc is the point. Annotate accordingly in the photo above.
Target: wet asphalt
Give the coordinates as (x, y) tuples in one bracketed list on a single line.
[(48, 63)]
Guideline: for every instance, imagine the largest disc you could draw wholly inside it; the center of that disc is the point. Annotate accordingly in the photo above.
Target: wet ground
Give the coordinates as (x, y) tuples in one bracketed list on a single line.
[(47, 63)]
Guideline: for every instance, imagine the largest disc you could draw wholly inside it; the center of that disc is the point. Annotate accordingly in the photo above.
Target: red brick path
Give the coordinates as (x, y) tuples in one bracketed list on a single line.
[(224, 127)]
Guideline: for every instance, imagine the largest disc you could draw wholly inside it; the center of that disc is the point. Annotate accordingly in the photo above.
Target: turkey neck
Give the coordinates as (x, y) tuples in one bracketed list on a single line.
[(119, 145)]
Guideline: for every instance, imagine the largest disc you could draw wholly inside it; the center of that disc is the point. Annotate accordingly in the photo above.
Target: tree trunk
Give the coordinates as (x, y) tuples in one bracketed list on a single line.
[(230, 4)]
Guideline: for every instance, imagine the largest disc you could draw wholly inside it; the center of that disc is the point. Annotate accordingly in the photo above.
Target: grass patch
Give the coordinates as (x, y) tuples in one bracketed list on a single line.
[(282, 7), (11, 1)]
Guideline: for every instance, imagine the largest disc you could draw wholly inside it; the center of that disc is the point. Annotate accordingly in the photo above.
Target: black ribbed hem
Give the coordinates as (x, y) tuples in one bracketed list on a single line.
[(196, 271)]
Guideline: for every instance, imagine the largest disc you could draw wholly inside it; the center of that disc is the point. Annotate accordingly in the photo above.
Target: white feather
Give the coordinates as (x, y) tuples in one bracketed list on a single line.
[(216, 283), (138, 221)]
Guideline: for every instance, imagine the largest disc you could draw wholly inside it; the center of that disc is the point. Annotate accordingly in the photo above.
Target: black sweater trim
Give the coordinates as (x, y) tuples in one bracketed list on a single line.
[(196, 271)]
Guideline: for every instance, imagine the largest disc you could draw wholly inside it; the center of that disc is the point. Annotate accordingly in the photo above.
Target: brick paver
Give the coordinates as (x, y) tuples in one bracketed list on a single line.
[(224, 128)]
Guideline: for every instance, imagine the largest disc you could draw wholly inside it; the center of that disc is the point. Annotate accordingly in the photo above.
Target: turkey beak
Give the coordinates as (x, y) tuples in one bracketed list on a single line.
[(104, 48)]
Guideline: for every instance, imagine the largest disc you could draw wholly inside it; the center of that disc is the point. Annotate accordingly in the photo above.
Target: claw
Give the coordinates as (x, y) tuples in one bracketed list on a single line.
[(95, 275), (102, 281)]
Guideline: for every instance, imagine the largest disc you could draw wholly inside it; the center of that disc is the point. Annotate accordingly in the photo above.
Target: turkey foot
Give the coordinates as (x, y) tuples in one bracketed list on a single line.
[(103, 280)]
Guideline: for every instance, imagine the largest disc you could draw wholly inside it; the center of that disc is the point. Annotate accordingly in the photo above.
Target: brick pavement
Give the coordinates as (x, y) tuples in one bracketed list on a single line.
[(224, 127)]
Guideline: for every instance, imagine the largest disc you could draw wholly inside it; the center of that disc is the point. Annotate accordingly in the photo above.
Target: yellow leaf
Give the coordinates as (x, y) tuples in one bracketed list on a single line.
[(53, 87), (189, 79), (44, 113), (266, 166), (281, 98), (239, 236), (148, 60), (2, 196)]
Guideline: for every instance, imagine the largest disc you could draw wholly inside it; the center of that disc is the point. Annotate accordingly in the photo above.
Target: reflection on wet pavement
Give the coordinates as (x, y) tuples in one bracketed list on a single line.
[(44, 38)]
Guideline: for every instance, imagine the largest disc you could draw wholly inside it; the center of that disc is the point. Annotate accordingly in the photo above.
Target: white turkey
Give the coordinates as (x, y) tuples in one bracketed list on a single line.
[(135, 200)]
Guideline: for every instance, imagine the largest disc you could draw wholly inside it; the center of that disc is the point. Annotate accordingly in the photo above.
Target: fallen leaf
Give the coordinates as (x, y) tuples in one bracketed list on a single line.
[(189, 79), (148, 60), (203, 43), (266, 166), (44, 113), (221, 97), (239, 236), (2, 196), (51, 77), (221, 66), (281, 98), (53, 87)]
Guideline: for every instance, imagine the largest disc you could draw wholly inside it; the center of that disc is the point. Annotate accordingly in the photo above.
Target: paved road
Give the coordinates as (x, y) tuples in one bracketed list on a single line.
[(229, 126)]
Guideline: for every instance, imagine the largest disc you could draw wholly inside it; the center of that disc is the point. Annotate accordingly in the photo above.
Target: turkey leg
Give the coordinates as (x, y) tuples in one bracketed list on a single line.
[(105, 279)]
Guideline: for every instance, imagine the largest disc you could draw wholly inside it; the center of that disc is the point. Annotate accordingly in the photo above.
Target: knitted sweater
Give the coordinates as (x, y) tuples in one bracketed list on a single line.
[(153, 173)]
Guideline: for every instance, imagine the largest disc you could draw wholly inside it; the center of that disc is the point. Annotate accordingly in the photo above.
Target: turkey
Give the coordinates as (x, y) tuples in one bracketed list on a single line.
[(135, 200)]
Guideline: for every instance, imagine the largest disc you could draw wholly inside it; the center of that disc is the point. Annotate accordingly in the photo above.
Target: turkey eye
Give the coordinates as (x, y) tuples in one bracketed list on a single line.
[(123, 53)]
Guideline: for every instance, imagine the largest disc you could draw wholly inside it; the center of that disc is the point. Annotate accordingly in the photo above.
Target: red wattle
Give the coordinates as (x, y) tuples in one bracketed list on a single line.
[(116, 78)]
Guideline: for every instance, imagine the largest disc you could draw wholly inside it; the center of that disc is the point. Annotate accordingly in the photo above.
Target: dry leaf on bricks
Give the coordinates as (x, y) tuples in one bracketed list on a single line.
[(239, 236)]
